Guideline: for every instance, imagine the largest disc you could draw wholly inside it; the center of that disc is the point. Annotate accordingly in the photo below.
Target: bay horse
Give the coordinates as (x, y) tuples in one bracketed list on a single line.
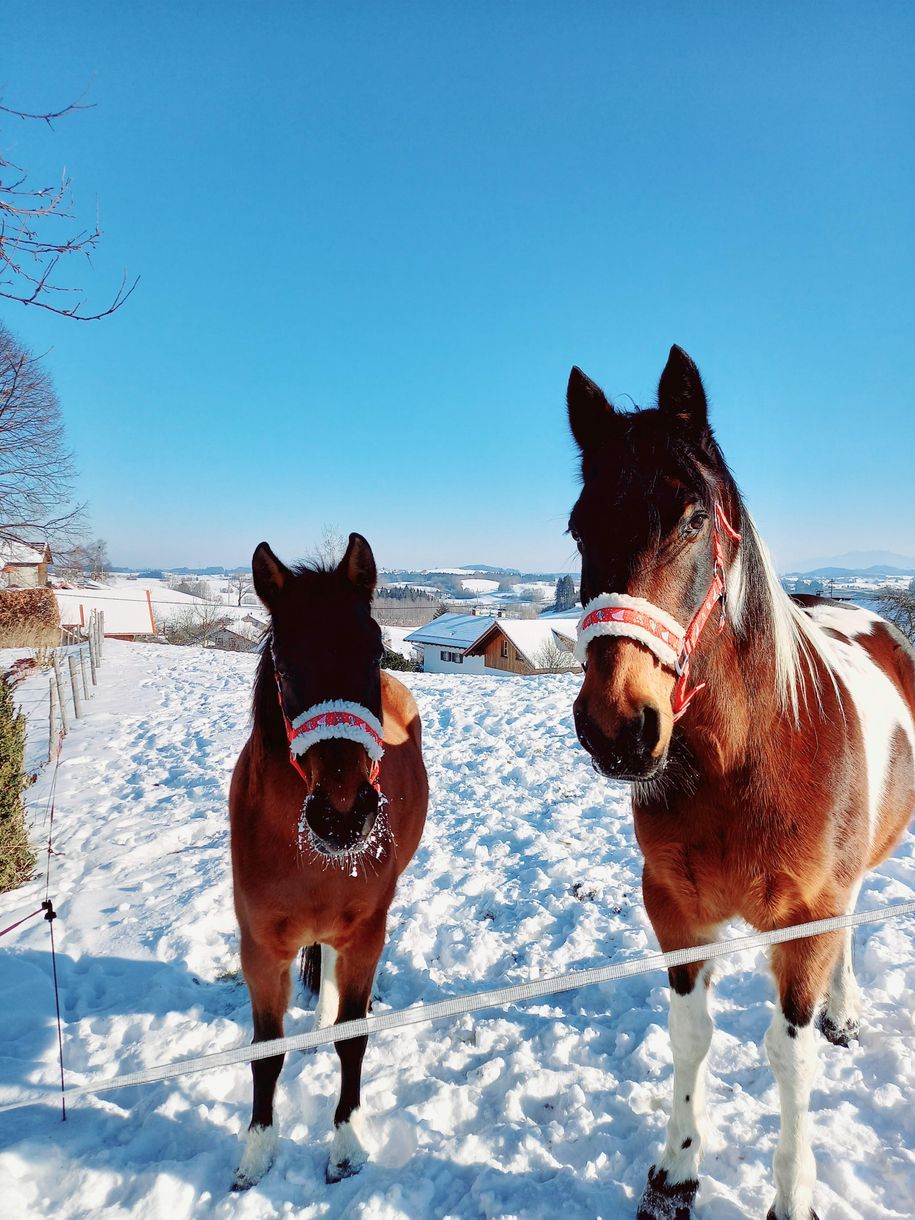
[(770, 745), (316, 848)]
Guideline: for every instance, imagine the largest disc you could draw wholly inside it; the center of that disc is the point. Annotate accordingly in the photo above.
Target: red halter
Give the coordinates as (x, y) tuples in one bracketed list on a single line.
[(715, 596), (331, 720)]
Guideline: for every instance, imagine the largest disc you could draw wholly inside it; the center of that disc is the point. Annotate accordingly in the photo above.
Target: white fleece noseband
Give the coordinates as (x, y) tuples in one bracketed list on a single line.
[(337, 718), (633, 618)]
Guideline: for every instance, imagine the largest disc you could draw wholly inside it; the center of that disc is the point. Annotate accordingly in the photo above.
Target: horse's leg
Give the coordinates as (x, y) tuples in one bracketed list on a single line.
[(801, 970), (328, 995), (310, 972), (269, 985), (355, 973), (674, 1180), (839, 1018)]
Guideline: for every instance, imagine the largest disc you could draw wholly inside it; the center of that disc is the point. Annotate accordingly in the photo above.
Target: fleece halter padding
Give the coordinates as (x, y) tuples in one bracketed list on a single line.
[(636, 619), (336, 718)]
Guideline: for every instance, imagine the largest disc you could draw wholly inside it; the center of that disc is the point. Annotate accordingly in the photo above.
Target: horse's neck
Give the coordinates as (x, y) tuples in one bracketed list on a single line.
[(738, 704)]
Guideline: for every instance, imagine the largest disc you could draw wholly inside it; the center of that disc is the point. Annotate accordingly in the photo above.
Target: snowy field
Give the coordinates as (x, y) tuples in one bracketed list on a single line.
[(528, 867)]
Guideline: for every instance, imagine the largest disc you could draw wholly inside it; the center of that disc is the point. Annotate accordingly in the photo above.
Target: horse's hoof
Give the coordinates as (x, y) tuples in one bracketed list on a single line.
[(772, 1216), (260, 1150), (663, 1200), (342, 1169), (347, 1152), (838, 1035)]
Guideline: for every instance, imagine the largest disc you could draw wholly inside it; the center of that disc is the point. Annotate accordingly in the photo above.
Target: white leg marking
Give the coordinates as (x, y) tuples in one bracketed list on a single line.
[(348, 1152), (690, 1037), (792, 1052), (328, 995), (260, 1149)]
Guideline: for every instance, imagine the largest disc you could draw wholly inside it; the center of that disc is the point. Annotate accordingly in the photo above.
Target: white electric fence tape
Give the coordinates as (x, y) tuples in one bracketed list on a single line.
[(421, 1013)]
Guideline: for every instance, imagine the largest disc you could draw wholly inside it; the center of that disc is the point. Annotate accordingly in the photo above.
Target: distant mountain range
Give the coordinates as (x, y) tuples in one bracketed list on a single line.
[(850, 573), (856, 563)]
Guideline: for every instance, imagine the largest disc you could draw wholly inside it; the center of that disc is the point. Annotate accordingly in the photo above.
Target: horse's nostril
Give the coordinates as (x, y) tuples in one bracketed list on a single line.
[(651, 726)]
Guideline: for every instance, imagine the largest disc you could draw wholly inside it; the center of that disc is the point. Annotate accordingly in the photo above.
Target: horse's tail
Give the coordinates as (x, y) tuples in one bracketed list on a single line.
[(310, 968)]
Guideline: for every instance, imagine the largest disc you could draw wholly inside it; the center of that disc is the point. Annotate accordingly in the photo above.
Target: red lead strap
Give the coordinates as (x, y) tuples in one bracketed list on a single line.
[(715, 596)]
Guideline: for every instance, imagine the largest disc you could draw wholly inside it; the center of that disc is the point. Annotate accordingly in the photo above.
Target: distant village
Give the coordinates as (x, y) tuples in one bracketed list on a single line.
[(455, 620), (467, 620)]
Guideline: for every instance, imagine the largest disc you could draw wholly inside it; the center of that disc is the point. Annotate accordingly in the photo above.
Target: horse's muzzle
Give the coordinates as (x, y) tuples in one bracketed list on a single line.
[(629, 755), (334, 830)]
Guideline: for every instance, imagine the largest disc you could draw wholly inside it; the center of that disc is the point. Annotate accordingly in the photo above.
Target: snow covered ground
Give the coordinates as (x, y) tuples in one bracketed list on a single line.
[(528, 867)]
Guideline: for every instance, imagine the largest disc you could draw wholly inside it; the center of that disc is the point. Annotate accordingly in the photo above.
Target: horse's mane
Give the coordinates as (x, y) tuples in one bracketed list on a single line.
[(758, 605)]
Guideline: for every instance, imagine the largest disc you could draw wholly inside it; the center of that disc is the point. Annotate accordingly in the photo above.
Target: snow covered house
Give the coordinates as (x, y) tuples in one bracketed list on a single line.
[(442, 644), (24, 565), (483, 644), (527, 646)]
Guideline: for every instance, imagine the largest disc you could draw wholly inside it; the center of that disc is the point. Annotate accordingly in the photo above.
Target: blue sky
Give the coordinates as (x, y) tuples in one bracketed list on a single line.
[(374, 238)]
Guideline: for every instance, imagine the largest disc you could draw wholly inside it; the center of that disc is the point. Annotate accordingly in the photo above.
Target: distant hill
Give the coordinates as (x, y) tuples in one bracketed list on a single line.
[(856, 563), (849, 573), (489, 567)]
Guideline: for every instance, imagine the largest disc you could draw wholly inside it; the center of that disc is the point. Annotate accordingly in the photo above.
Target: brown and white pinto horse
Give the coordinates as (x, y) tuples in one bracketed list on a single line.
[(316, 850), (766, 789)]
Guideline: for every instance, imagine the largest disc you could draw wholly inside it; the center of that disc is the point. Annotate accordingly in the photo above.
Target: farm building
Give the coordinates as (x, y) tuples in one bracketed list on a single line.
[(443, 643), (527, 646), (483, 644), (24, 566), (222, 636)]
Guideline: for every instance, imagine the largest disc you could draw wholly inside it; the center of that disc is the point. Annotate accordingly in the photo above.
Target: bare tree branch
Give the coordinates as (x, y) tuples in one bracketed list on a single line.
[(31, 248)]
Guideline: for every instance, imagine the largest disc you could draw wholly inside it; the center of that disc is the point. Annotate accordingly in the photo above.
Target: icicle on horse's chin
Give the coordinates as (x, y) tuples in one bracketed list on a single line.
[(327, 806), (713, 692)]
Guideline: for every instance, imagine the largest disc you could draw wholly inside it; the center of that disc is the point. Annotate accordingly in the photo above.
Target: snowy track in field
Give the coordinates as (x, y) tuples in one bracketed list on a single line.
[(528, 867)]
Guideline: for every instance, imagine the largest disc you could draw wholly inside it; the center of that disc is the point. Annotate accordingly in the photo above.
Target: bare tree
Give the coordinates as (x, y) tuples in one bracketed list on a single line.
[(239, 586), (330, 550), (193, 588), (552, 658), (898, 605), (192, 624), (85, 559), (38, 230), (36, 467)]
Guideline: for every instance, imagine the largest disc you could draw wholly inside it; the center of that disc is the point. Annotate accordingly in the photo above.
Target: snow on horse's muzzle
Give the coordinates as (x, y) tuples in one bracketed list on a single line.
[(334, 830)]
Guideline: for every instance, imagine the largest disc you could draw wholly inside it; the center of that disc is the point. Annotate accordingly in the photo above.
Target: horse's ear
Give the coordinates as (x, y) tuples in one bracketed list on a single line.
[(270, 575), (681, 394), (589, 410), (357, 566)]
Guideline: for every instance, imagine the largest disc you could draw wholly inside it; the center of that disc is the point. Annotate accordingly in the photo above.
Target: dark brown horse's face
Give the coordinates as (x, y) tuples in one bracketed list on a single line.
[(643, 526), (326, 647)]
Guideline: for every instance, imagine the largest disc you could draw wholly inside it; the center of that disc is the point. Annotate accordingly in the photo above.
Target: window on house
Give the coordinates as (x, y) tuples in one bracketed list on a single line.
[(456, 658), (503, 652)]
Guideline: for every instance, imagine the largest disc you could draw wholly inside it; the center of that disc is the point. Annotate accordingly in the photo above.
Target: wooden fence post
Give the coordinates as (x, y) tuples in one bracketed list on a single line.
[(82, 670), (92, 649), (74, 686), (52, 733), (61, 701), (101, 635)]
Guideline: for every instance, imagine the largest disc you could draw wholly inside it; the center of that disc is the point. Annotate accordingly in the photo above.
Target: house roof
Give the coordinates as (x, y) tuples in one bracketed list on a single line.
[(530, 636), (452, 631), (25, 553)]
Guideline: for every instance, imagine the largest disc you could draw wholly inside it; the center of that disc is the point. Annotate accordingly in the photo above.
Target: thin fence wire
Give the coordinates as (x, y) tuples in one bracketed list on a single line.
[(459, 1005)]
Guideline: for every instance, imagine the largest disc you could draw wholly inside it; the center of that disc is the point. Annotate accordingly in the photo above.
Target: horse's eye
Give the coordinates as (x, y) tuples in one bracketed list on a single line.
[(695, 523)]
